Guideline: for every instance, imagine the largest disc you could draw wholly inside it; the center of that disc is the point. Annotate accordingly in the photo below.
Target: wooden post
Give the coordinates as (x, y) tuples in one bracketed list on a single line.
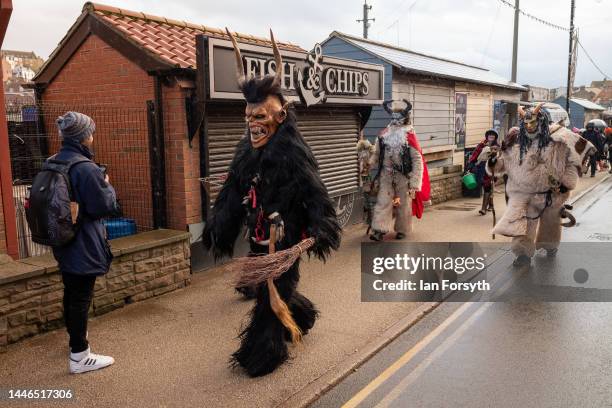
[(6, 178)]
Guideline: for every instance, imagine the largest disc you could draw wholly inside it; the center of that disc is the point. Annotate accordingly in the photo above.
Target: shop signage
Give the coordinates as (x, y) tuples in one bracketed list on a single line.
[(311, 78)]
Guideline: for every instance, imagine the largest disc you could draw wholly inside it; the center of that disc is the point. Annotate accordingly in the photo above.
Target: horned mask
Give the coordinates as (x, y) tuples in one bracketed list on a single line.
[(266, 107), (399, 117), (531, 118), (534, 125)]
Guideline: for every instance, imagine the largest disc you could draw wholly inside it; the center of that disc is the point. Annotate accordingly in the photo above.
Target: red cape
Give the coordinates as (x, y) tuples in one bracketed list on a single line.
[(425, 194)]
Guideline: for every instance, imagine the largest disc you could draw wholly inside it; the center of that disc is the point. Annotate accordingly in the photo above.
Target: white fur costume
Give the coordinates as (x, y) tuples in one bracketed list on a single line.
[(393, 183), (527, 184)]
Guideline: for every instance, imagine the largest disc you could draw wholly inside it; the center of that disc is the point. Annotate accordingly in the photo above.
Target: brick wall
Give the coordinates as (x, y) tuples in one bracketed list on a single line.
[(445, 187), (182, 161), (31, 302), (97, 74), (100, 82)]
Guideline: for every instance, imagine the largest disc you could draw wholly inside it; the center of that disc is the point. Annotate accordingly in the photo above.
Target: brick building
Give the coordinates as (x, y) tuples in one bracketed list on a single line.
[(127, 60), (130, 61)]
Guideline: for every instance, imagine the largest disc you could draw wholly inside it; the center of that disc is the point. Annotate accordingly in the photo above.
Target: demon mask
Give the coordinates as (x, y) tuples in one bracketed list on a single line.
[(266, 107), (534, 124), (533, 120)]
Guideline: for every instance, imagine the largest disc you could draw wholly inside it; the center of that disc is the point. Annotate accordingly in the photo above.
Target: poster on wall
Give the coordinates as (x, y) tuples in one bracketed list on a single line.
[(460, 118), (499, 112)]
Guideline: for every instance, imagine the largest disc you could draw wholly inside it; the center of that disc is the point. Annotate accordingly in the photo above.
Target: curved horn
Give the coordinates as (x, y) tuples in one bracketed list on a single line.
[(407, 109), (567, 214), (387, 107), (278, 78), (240, 73), (536, 110), (521, 111)]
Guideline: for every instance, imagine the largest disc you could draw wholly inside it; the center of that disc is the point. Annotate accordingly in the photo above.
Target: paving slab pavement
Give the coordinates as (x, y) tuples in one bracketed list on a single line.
[(173, 350)]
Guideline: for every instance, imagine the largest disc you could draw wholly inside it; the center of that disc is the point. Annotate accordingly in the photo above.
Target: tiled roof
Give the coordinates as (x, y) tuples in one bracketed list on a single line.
[(173, 41), (427, 64)]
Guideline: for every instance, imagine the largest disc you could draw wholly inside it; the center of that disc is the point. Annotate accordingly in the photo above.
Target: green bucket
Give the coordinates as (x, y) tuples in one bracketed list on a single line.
[(470, 181)]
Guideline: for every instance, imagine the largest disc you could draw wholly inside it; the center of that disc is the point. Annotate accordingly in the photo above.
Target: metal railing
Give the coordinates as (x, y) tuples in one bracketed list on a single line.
[(121, 144)]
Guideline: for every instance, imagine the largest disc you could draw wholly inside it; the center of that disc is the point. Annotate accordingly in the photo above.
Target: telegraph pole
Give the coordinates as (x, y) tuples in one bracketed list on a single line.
[(569, 59), (515, 39), (366, 20)]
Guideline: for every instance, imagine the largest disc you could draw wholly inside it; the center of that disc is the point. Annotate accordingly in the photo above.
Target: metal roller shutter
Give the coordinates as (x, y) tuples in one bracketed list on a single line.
[(331, 133)]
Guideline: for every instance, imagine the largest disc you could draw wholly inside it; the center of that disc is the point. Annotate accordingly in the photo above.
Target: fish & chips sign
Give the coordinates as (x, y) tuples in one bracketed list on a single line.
[(311, 78)]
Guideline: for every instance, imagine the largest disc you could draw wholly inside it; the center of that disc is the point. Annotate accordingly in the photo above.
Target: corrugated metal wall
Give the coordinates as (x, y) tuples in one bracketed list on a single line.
[(479, 116), (331, 133), (433, 109)]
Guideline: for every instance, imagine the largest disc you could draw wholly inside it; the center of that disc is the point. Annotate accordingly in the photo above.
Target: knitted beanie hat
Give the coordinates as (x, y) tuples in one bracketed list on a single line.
[(75, 125)]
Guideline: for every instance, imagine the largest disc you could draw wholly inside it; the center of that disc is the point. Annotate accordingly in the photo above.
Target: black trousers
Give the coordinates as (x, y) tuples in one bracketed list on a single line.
[(78, 292), (593, 163)]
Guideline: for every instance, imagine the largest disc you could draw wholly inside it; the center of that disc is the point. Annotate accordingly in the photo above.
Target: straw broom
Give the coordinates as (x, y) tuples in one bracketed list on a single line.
[(255, 270)]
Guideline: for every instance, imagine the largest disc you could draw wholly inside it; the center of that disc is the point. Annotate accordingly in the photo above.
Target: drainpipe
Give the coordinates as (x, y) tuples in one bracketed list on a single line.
[(158, 164), (6, 178)]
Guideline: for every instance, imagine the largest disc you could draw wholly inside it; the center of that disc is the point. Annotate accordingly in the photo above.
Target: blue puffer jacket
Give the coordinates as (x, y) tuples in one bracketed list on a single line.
[(89, 253)]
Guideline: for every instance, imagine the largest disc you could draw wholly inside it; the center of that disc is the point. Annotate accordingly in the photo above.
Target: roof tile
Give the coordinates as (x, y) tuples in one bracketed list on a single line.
[(130, 13), (171, 40)]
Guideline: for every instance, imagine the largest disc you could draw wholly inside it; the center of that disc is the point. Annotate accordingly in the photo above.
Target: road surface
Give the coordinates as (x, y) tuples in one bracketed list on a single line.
[(515, 353)]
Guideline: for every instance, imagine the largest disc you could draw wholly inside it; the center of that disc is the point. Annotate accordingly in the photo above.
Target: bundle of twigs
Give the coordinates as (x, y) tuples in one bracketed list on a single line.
[(253, 270)]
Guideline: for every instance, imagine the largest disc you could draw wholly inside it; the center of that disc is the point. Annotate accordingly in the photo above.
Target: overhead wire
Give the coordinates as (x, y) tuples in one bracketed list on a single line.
[(592, 62), (486, 49)]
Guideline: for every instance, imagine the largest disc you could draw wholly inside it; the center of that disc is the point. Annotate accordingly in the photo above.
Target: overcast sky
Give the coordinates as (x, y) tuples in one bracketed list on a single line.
[(477, 32)]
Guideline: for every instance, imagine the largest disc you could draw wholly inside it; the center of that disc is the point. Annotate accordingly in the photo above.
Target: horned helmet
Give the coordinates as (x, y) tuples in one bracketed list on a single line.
[(266, 107), (399, 117)]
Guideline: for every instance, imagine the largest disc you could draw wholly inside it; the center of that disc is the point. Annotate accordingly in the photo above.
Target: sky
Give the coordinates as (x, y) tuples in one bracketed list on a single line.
[(476, 32)]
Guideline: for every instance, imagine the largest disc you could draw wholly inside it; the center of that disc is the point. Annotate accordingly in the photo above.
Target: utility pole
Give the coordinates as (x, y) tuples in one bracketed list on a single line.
[(515, 39), (366, 20), (569, 59)]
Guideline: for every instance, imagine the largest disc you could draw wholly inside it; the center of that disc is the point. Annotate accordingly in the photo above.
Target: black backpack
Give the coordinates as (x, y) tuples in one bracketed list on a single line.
[(51, 209)]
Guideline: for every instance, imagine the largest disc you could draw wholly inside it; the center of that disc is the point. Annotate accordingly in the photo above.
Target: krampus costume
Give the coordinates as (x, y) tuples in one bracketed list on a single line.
[(477, 163), (542, 164), (273, 180), (399, 176)]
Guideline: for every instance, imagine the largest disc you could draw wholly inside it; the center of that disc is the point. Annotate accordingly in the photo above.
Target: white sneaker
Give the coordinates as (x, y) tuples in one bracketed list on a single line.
[(88, 361)]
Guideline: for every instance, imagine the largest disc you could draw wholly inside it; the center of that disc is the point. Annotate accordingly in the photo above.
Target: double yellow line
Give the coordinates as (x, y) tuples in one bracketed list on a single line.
[(424, 342)]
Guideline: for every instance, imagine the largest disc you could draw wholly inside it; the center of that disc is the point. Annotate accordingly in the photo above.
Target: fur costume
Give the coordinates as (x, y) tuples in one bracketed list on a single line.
[(396, 187), (365, 149), (277, 183), (541, 171), (393, 184)]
